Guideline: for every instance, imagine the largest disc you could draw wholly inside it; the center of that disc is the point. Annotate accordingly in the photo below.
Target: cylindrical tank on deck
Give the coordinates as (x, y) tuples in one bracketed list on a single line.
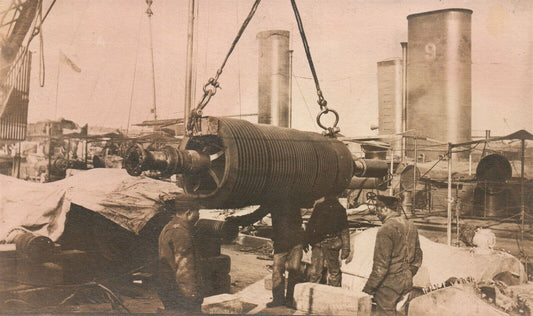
[(390, 99), (407, 187), (492, 196), (439, 97), (273, 86)]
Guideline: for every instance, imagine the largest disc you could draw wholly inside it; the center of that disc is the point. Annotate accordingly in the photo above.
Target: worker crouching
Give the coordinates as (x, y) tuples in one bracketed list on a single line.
[(327, 232), (179, 280)]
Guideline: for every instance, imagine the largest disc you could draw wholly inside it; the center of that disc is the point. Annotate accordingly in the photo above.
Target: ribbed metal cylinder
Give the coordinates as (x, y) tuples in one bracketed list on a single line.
[(273, 86), (439, 96), (263, 163)]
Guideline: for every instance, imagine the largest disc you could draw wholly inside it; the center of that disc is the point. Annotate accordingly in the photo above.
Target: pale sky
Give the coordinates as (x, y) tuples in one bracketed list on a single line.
[(109, 41)]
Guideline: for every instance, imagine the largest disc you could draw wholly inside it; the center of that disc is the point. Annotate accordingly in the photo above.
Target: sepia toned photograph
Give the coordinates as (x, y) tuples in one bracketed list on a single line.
[(276, 157)]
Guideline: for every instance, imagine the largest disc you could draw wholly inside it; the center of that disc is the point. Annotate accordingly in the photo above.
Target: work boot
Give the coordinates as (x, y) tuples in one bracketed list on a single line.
[(274, 303), (290, 302)]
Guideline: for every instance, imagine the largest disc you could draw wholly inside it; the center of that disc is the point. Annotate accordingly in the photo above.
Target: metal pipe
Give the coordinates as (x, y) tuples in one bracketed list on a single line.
[(57, 84), (167, 160), (414, 175), (19, 159), (449, 213), (370, 168), (522, 191), (189, 65), (391, 192), (367, 183), (404, 95), (86, 147), (50, 148), (290, 87), (470, 163)]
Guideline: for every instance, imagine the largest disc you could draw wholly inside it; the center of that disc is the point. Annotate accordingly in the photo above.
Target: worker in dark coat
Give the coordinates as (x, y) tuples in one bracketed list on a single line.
[(179, 282), (327, 232), (288, 238), (397, 257)]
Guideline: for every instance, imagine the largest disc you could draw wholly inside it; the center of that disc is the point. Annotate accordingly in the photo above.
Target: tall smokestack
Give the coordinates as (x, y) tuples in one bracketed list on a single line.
[(390, 99), (274, 78), (439, 100)]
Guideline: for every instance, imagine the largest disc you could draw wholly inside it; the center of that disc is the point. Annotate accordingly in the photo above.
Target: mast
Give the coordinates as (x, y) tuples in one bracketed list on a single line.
[(189, 68)]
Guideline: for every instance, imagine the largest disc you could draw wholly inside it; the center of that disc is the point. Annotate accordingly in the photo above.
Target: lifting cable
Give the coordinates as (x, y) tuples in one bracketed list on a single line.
[(322, 103), (212, 84), (210, 88)]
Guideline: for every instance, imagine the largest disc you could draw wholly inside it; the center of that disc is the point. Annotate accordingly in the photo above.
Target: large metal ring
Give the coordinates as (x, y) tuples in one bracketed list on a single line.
[(325, 111)]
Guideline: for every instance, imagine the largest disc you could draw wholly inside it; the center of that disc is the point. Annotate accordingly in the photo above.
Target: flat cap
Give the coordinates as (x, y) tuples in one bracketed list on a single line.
[(389, 201)]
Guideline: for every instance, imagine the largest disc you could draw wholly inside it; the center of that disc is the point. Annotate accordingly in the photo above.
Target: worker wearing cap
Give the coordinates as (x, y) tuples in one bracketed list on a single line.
[(179, 282), (397, 257), (327, 232), (288, 238)]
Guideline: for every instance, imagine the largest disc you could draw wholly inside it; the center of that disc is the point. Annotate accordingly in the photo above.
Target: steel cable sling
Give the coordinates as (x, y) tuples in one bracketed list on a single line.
[(210, 88), (328, 131), (212, 84)]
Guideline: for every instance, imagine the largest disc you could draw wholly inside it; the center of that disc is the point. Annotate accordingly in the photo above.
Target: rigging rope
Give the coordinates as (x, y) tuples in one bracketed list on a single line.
[(134, 77), (149, 12)]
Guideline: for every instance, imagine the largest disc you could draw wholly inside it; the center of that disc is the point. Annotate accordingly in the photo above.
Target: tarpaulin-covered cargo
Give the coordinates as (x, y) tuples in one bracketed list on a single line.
[(440, 262), (129, 202)]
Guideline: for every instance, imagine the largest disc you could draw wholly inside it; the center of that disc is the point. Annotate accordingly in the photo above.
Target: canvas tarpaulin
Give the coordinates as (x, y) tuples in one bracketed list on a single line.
[(440, 262), (42, 208)]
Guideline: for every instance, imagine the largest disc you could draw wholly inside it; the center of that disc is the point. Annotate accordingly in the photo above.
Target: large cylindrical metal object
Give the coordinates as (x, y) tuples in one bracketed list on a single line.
[(494, 168), (439, 100), (407, 178), (370, 168), (491, 195), (368, 183), (390, 99), (258, 164), (34, 248), (273, 88), (218, 229)]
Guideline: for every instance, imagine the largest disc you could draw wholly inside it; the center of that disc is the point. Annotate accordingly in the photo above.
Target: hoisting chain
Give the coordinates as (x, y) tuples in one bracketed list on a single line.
[(328, 131), (210, 88)]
